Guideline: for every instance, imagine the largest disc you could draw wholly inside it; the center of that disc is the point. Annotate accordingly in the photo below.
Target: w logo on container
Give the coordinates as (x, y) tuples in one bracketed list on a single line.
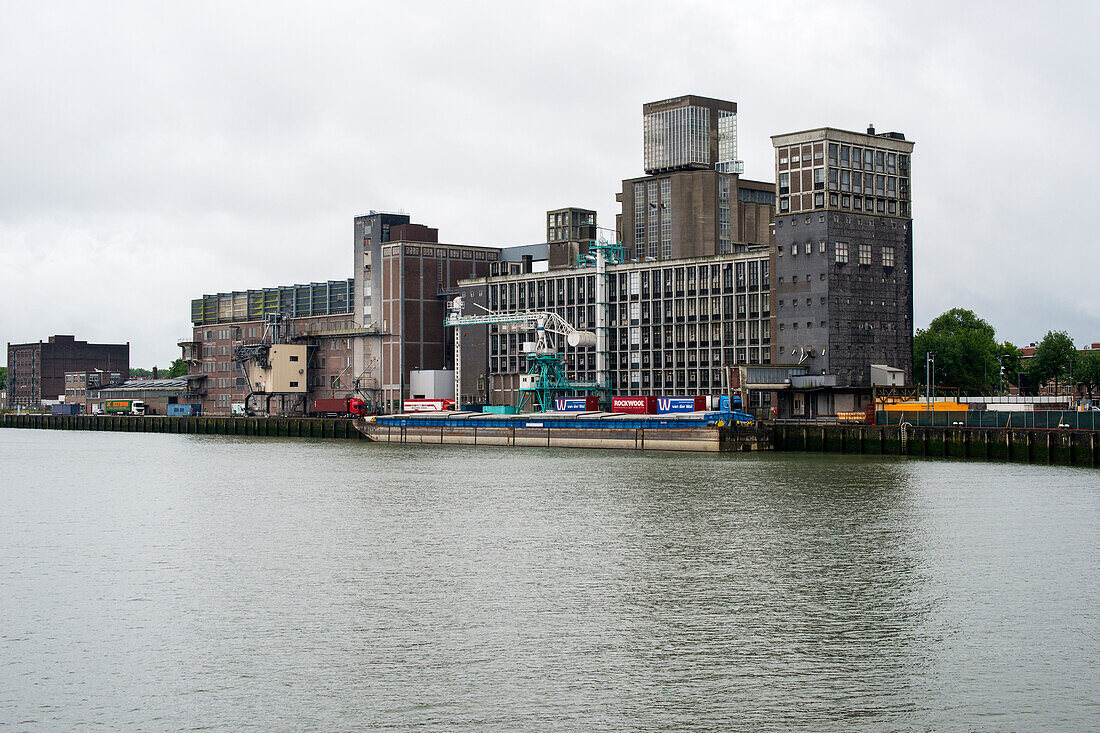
[(664, 404)]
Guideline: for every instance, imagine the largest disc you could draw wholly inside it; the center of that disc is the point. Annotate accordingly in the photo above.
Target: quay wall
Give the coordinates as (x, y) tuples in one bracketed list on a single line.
[(1024, 445), (282, 427), (688, 439)]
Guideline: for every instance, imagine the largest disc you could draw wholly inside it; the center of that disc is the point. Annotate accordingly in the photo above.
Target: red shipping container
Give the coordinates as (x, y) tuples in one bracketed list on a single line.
[(344, 406), (427, 405), (329, 406), (634, 405)]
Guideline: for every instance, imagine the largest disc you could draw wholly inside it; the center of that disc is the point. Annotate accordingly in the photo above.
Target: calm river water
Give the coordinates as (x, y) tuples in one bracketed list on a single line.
[(164, 582)]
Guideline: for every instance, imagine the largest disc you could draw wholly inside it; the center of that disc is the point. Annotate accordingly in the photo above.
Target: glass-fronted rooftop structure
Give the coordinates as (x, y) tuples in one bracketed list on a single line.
[(690, 132), (293, 301)]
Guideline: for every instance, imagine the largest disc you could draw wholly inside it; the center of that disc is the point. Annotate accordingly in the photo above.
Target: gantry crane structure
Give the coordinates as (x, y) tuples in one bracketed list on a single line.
[(546, 377)]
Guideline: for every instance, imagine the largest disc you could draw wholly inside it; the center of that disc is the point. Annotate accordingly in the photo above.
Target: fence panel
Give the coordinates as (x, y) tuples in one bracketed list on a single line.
[(1045, 419)]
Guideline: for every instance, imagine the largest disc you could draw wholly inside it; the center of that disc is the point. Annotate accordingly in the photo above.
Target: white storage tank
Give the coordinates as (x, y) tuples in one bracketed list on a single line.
[(581, 339)]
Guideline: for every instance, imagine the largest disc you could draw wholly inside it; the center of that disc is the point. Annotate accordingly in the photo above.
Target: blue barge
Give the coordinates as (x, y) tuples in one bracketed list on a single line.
[(691, 431)]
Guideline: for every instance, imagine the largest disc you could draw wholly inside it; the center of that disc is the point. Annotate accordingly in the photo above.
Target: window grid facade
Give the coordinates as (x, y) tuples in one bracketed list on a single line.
[(673, 327), (677, 137), (654, 212), (666, 219), (857, 177)]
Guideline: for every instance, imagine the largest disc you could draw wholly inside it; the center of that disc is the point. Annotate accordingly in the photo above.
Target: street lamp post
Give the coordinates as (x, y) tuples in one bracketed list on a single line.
[(930, 380)]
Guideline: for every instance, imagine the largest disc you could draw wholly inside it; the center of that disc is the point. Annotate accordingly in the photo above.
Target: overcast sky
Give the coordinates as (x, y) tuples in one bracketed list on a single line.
[(150, 154)]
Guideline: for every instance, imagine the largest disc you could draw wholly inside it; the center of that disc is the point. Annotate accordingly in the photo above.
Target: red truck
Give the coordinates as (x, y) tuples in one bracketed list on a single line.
[(338, 408)]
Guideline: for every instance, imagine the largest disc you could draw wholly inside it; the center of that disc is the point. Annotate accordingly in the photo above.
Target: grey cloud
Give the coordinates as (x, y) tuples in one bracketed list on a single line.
[(177, 150)]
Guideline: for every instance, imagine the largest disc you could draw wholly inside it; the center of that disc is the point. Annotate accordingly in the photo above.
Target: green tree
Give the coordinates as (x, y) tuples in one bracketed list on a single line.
[(178, 369), (1053, 359), (965, 351), (1087, 371), (3, 376), (139, 373)]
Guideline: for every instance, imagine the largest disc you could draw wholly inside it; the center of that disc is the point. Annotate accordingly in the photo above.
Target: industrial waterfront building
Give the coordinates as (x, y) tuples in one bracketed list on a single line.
[(568, 232), (317, 315), (692, 202), (673, 327), (844, 257), (692, 295), (363, 336), (157, 394), (78, 385), (713, 275), (36, 371)]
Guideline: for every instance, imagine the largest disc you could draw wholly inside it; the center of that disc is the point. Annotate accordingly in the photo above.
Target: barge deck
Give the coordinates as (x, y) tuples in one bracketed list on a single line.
[(692, 431)]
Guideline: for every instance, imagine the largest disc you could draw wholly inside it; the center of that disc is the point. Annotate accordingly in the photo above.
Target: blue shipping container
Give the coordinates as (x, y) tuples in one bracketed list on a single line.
[(681, 404), (576, 404), (64, 409), (184, 410)]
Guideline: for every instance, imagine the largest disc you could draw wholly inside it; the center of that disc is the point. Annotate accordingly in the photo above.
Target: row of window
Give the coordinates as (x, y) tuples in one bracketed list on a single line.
[(240, 333), (865, 254), (868, 204), (868, 159), (836, 301), (848, 156), (752, 275), (210, 367), (841, 250), (454, 254), (682, 336), (689, 369), (861, 325)]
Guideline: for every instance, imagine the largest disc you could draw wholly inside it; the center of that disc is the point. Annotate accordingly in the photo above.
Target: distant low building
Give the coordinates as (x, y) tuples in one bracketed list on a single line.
[(1070, 390), (36, 371), (78, 383), (157, 394)]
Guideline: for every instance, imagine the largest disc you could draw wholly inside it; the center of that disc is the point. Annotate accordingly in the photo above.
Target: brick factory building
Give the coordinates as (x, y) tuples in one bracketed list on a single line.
[(318, 315), (364, 334), (36, 371)]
